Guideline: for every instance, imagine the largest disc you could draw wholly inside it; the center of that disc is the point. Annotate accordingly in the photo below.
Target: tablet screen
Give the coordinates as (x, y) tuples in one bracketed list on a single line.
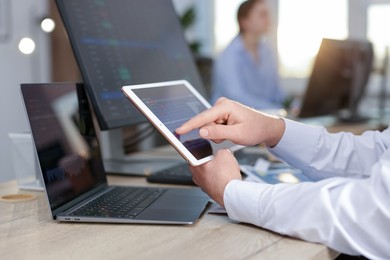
[(174, 105)]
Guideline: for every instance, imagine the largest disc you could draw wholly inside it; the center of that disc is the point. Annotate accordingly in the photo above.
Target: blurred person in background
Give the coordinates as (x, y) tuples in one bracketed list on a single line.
[(246, 70)]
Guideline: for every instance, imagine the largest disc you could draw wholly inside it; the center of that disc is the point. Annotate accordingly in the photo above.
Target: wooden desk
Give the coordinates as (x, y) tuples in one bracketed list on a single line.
[(28, 232)]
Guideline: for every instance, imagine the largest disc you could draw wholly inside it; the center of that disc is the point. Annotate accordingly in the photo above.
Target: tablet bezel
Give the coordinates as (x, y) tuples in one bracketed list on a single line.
[(181, 149)]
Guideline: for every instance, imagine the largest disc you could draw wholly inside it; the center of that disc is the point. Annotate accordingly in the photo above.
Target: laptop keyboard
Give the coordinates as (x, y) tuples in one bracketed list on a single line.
[(120, 202), (180, 174)]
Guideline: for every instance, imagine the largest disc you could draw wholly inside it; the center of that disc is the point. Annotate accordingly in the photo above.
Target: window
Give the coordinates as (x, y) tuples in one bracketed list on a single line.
[(378, 32), (226, 27), (302, 25)]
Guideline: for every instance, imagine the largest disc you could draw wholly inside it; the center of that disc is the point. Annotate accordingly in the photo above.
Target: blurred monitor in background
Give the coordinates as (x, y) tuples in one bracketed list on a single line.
[(118, 43), (338, 80)]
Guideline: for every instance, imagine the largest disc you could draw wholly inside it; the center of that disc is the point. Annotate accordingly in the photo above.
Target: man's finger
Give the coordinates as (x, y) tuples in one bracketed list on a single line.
[(214, 114), (219, 132)]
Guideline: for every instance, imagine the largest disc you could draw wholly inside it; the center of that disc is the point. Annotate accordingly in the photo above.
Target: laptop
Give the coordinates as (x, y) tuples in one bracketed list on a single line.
[(69, 156)]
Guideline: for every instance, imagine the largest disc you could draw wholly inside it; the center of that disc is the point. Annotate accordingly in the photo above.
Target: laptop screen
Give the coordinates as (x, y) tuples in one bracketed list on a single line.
[(65, 140)]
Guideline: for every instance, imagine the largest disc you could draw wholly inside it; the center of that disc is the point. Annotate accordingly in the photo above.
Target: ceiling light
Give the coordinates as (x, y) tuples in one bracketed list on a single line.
[(48, 25), (26, 46)]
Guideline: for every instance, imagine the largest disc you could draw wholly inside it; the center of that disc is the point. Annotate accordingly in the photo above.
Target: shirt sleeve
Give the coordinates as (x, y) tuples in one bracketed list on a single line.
[(351, 216), (322, 155)]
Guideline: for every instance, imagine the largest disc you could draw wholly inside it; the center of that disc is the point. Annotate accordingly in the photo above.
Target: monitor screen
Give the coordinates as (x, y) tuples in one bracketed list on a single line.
[(339, 78), (121, 42)]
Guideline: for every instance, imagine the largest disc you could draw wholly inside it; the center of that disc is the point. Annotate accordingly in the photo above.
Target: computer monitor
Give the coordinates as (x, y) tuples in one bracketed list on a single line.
[(121, 42), (338, 80)]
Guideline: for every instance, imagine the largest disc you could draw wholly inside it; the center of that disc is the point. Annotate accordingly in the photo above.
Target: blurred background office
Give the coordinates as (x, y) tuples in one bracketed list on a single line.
[(35, 49)]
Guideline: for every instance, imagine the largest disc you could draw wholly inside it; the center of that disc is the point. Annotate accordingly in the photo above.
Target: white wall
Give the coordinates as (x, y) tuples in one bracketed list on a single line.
[(20, 18)]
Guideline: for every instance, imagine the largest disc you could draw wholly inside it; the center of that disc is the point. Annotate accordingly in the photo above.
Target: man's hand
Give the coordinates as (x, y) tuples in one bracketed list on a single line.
[(230, 120), (213, 176)]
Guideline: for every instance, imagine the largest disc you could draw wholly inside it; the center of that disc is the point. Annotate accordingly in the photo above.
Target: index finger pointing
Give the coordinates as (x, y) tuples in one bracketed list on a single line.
[(212, 115)]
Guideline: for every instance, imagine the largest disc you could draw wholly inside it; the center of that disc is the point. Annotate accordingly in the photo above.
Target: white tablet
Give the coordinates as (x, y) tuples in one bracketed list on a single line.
[(167, 106)]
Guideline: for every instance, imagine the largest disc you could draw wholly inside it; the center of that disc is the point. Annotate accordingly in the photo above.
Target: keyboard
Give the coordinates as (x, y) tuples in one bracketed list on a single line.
[(180, 174), (120, 202)]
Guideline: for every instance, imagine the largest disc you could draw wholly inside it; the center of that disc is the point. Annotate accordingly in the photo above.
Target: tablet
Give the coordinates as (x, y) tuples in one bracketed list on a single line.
[(168, 105)]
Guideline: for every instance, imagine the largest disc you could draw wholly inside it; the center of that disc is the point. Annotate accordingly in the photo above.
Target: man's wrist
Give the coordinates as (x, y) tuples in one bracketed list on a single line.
[(276, 130)]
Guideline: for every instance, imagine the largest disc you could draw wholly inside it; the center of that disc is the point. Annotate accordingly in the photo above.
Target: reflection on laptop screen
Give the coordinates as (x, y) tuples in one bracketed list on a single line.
[(65, 140)]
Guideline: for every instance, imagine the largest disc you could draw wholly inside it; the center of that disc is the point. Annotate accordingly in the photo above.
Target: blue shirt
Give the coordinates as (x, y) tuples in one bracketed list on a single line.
[(237, 76)]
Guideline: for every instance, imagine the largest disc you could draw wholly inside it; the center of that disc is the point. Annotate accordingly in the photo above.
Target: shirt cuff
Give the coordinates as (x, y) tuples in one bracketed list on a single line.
[(298, 144), (241, 201)]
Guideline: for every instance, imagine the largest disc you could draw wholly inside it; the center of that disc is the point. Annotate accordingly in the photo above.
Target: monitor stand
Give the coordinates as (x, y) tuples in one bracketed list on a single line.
[(357, 91), (347, 116), (149, 159)]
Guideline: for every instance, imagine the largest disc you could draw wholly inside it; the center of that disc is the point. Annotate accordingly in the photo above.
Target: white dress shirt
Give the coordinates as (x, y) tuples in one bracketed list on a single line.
[(347, 208)]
